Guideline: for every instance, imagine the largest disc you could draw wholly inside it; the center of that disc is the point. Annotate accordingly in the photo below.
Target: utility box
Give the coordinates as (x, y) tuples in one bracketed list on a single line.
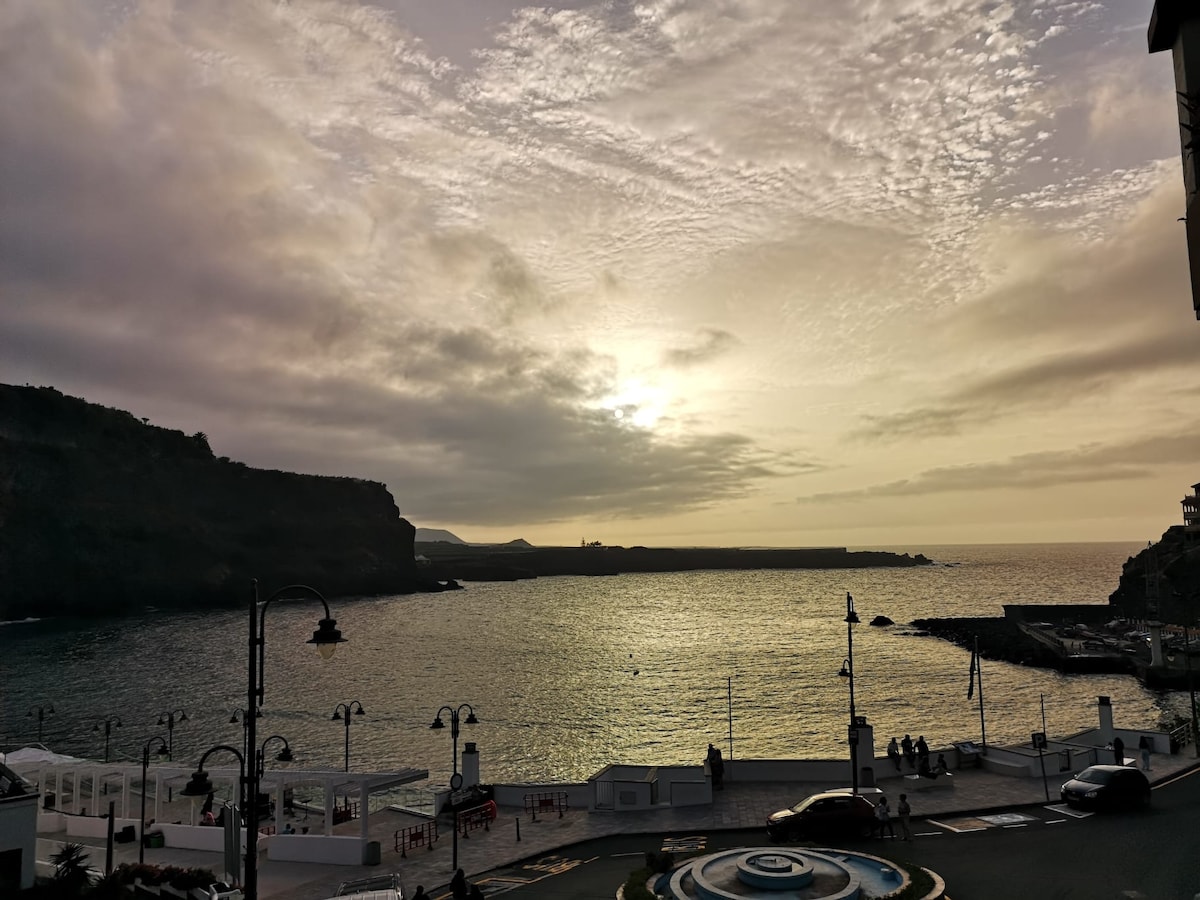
[(371, 857)]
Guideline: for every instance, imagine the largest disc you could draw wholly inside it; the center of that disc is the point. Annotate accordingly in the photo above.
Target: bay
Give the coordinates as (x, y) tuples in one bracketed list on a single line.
[(570, 674)]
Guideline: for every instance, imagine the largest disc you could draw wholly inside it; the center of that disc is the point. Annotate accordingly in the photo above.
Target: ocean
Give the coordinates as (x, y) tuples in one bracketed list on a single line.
[(570, 674)]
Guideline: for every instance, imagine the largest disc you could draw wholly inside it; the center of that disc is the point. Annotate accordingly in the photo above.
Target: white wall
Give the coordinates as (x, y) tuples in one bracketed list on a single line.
[(316, 848)]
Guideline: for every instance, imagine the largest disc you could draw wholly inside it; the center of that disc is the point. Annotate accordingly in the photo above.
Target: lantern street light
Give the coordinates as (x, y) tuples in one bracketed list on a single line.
[(455, 779), (847, 671), (168, 718), (41, 716), (342, 712), (325, 638), (201, 786), (109, 722), (162, 751)]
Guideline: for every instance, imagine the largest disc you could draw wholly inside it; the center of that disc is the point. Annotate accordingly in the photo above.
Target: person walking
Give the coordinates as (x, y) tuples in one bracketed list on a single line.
[(883, 818), (893, 752), (904, 811), (909, 756), (1145, 745)]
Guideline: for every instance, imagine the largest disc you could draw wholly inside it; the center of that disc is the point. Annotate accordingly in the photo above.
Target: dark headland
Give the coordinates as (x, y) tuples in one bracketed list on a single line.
[(102, 513)]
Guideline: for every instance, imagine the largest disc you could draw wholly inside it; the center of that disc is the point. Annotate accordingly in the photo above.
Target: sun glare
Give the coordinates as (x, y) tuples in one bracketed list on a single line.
[(637, 403)]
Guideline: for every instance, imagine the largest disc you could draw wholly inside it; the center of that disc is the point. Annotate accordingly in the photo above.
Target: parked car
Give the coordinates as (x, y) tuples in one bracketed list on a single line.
[(836, 811), (1107, 787), (374, 887)]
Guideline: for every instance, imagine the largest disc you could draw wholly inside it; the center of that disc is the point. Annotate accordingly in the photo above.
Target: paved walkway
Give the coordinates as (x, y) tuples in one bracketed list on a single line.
[(738, 806)]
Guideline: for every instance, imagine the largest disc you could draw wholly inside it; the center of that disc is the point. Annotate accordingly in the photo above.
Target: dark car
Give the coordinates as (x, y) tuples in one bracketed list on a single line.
[(825, 813), (1107, 787)]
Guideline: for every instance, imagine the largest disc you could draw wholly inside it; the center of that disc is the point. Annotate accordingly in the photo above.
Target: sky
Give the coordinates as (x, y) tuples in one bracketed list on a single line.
[(670, 272)]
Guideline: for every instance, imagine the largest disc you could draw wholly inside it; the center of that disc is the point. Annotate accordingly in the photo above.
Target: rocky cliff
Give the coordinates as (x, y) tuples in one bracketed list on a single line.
[(1162, 581), (102, 513)]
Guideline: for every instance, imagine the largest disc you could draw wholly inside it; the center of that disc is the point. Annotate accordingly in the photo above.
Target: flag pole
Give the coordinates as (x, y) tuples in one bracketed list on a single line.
[(979, 675)]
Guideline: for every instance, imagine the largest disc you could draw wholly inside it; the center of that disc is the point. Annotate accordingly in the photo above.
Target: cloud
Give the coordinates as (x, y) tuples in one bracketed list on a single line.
[(1092, 464), (710, 343)]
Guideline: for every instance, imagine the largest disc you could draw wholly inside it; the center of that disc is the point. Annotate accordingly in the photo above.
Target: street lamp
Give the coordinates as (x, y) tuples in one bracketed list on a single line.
[(342, 711), (260, 756), (168, 718), (455, 779), (162, 751), (41, 716), (325, 638), (239, 715), (109, 722), (848, 672), (201, 786)]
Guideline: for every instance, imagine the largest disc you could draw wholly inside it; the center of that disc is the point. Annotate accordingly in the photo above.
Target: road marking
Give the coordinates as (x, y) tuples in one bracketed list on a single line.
[(961, 826), (1021, 825), (1055, 821), (1007, 819), (1064, 810)]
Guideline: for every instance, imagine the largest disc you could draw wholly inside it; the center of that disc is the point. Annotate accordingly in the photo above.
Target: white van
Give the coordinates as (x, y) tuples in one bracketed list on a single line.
[(377, 887)]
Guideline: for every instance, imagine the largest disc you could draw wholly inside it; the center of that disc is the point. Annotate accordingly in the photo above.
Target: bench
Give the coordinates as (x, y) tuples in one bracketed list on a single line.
[(476, 817), (424, 834), (546, 802), (921, 783)]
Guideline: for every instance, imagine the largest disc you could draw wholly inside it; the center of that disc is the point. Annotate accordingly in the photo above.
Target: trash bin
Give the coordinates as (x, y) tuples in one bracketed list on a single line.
[(49, 800), (371, 857)]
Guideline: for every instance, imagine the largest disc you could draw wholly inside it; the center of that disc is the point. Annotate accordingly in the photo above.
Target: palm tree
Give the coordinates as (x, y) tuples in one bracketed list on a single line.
[(71, 869)]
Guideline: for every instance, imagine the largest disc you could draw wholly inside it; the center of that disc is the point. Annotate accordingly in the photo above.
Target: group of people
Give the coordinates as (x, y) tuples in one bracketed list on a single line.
[(916, 754), (883, 817), (460, 888)]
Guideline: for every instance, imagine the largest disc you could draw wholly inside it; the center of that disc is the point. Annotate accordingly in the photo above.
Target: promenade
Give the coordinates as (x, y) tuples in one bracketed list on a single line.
[(738, 806)]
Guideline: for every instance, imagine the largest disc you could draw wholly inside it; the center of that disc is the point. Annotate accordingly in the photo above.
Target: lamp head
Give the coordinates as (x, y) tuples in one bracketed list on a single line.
[(470, 719), (326, 637), (233, 720), (182, 716), (360, 711), (199, 786), (285, 755), (845, 670), (438, 723), (337, 716)]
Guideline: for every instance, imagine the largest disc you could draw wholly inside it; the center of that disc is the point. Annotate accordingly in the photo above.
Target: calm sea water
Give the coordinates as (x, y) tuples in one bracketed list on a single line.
[(570, 674)]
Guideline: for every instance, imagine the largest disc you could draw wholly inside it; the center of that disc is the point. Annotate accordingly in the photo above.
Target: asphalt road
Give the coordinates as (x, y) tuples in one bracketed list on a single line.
[(1039, 852)]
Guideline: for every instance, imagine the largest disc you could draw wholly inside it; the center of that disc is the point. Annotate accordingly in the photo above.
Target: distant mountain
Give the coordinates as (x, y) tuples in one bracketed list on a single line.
[(436, 535), (442, 536)]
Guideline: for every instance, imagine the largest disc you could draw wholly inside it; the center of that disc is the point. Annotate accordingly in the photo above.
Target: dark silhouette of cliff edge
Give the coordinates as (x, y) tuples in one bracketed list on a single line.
[(101, 513)]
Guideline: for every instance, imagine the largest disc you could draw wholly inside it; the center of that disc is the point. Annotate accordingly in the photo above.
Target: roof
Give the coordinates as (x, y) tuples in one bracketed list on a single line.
[(1165, 20)]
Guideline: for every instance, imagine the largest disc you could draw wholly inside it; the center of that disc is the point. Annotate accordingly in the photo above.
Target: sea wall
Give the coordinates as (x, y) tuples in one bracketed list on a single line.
[(102, 513)]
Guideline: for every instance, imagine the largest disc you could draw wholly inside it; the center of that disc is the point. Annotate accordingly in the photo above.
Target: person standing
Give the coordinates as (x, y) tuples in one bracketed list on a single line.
[(716, 767), (1118, 746), (922, 753), (1145, 745), (458, 885), (883, 818), (420, 894), (904, 811), (893, 752), (909, 756)]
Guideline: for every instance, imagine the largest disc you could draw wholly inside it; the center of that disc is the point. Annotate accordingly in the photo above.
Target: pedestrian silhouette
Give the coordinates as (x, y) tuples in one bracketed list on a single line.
[(893, 752)]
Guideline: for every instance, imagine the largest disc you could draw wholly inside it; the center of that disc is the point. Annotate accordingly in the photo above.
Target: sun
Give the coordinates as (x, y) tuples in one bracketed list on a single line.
[(637, 403)]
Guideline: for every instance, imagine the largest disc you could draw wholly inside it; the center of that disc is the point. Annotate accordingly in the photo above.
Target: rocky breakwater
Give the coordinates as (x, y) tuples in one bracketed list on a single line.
[(474, 563), (101, 513)]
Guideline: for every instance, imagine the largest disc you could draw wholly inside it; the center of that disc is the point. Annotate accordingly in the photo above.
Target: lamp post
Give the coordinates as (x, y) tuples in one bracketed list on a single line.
[(162, 751), (848, 672), (455, 779), (201, 786), (41, 716), (325, 638), (109, 722), (342, 711), (260, 758), (168, 718), (239, 715)]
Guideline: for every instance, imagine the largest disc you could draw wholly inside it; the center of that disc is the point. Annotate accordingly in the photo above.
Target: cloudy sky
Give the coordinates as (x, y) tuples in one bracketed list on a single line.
[(700, 272)]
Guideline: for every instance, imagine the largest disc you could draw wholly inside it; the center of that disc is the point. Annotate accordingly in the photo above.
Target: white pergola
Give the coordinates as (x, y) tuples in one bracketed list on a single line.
[(48, 769)]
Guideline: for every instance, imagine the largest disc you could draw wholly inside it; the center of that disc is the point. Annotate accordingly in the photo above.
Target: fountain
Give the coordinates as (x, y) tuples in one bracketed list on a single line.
[(787, 873)]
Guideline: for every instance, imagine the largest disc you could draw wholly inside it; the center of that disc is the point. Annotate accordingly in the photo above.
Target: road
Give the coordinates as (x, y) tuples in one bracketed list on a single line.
[(1041, 852)]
